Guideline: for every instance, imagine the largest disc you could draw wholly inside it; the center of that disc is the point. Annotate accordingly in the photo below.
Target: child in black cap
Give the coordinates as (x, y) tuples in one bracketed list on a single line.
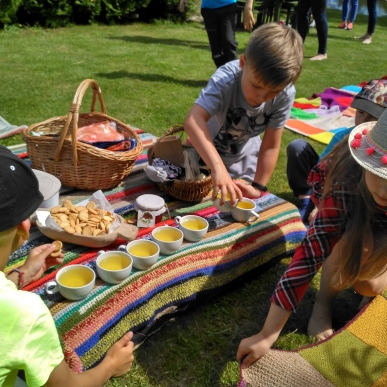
[(28, 336)]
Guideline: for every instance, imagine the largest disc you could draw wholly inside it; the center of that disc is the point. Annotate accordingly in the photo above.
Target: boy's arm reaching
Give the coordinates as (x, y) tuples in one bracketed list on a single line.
[(267, 160), (253, 348), (195, 125)]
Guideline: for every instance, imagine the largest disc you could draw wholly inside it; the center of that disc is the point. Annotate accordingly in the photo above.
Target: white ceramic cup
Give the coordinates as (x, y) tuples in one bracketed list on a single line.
[(144, 253), (226, 206), (79, 283), (194, 227), (244, 211), (114, 266), (168, 238)]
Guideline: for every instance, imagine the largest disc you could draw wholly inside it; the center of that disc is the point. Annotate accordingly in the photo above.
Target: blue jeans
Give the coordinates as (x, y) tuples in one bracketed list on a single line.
[(318, 8), (371, 6), (301, 159), (220, 24), (353, 13)]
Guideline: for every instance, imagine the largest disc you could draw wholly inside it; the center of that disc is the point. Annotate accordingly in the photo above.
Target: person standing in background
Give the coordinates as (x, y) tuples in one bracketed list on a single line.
[(220, 18), (318, 8), (352, 15), (372, 15)]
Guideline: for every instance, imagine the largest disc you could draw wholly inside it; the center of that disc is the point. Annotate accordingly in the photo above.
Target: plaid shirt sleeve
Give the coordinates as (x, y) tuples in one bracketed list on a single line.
[(326, 230)]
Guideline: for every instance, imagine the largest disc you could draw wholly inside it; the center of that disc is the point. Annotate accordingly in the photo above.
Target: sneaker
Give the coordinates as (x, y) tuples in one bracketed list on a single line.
[(343, 25), (349, 26)]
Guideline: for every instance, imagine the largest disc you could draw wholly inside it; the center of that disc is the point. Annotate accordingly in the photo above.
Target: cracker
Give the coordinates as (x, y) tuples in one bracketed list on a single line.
[(58, 248), (84, 220)]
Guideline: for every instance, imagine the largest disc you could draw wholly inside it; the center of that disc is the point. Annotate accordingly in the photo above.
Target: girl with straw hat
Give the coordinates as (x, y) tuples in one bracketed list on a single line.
[(348, 237)]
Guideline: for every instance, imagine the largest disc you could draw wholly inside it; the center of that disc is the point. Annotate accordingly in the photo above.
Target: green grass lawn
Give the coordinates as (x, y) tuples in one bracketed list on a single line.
[(150, 75)]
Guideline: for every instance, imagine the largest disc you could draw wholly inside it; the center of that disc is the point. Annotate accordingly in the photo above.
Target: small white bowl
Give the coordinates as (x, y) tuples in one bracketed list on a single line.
[(114, 276), (226, 207), (146, 255), (170, 244), (192, 234)]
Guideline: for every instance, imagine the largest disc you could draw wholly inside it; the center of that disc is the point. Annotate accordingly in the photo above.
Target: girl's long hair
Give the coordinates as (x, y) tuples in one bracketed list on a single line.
[(363, 253)]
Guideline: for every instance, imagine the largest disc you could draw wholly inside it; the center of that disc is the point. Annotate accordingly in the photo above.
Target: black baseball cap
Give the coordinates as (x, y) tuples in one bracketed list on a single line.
[(372, 98), (19, 190)]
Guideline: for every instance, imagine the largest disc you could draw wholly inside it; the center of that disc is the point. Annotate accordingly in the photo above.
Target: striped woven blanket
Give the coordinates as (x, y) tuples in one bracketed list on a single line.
[(354, 356), (144, 301)]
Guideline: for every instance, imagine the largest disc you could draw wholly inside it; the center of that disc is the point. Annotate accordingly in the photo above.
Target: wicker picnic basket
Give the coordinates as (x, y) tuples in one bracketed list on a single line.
[(189, 191), (53, 148)]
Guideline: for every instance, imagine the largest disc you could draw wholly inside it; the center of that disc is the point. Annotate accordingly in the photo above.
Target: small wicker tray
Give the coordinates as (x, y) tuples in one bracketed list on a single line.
[(74, 163), (189, 191)]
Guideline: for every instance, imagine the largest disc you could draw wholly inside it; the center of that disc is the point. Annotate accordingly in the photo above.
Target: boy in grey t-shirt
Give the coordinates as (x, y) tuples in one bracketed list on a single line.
[(243, 99)]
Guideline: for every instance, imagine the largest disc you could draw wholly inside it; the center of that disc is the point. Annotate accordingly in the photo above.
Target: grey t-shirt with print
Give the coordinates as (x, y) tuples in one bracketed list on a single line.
[(234, 125)]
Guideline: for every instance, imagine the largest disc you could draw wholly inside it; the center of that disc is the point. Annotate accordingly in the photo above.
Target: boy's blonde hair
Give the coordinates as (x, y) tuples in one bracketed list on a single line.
[(275, 53)]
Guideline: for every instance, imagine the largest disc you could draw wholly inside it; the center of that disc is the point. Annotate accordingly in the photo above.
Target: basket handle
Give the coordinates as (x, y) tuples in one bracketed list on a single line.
[(169, 132), (74, 115)]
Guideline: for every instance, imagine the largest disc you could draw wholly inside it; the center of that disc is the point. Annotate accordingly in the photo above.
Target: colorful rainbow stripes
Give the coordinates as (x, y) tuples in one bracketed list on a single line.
[(89, 327)]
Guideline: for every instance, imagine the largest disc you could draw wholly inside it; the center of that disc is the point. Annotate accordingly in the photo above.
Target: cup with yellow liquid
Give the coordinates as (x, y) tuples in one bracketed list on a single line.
[(245, 211), (73, 282), (144, 253), (168, 238), (226, 206), (194, 227), (114, 266)]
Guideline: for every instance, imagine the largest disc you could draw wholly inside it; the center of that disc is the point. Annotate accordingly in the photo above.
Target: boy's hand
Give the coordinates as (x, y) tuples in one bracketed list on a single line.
[(223, 183), (38, 261), (120, 356), (252, 349), (248, 191)]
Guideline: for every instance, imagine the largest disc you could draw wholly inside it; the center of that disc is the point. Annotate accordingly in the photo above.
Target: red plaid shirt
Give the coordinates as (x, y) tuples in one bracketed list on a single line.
[(327, 229)]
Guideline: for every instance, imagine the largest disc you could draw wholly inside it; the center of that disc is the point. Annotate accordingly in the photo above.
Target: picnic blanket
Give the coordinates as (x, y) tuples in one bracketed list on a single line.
[(147, 299), (354, 356), (322, 115)]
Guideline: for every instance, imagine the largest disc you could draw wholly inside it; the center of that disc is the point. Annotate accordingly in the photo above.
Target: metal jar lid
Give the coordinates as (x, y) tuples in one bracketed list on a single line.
[(150, 202)]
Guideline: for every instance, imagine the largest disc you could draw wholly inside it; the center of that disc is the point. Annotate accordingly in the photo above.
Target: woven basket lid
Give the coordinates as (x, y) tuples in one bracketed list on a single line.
[(150, 202)]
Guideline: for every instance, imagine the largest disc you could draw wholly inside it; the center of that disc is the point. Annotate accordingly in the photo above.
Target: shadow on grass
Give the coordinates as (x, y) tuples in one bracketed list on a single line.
[(167, 42), (152, 78)]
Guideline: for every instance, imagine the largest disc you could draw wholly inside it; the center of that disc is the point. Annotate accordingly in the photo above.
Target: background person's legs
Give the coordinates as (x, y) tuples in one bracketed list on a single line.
[(303, 11), (354, 8), (344, 13), (220, 25), (319, 15), (372, 15), (227, 26), (211, 24)]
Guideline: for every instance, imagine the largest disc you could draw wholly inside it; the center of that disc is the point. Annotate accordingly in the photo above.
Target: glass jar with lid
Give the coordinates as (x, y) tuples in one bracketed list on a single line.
[(150, 210)]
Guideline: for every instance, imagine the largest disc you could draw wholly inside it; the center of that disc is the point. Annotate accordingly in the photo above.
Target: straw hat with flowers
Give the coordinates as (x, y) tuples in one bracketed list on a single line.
[(368, 145)]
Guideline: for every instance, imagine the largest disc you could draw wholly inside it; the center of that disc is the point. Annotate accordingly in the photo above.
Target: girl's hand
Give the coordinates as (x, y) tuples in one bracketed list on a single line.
[(38, 261), (312, 215), (252, 349), (248, 191)]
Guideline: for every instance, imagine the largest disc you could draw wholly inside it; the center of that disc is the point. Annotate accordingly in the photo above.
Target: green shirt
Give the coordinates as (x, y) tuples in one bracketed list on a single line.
[(28, 337)]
